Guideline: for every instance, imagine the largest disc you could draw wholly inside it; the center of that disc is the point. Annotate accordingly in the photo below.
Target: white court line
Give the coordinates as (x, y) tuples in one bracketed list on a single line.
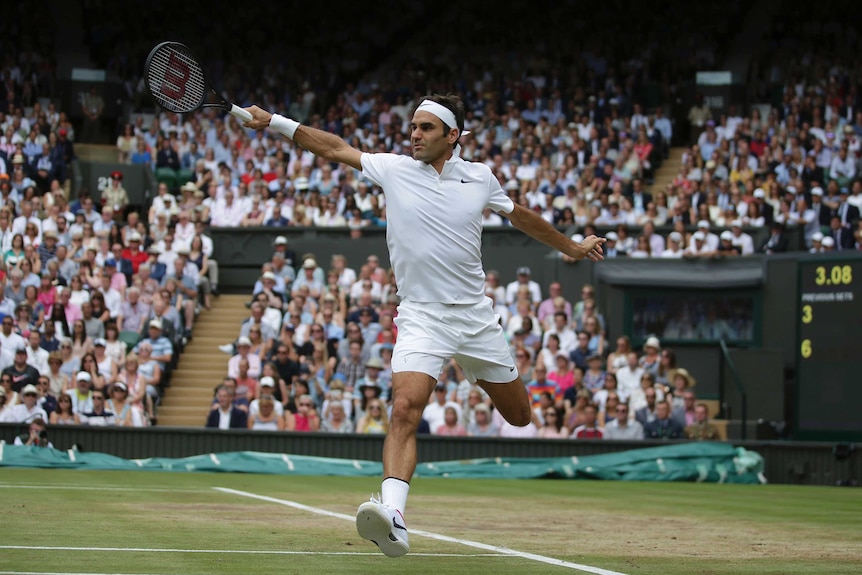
[(226, 551), (428, 534), (96, 488)]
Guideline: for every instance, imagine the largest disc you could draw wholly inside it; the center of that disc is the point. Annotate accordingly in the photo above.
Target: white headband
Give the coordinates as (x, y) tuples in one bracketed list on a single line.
[(442, 112)]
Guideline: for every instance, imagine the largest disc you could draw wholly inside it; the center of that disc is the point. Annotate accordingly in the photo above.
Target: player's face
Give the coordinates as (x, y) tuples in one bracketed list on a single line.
[(428, 138)]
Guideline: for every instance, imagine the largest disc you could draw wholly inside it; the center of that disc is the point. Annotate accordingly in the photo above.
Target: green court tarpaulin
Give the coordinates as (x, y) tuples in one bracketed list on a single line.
[(701, 461)]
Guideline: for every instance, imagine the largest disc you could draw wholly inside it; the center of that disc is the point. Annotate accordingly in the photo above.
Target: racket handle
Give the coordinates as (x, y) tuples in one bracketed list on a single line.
[(238, 112)]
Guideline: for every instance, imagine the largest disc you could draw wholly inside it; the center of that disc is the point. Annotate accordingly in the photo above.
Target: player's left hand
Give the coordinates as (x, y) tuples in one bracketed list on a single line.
[(593, 247)]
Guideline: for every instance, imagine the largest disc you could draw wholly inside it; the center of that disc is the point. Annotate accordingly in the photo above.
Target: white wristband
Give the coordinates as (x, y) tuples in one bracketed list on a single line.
[(283, 125)]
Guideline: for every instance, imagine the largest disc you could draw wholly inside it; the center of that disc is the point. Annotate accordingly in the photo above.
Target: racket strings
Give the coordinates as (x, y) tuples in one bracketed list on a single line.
[(176, 80)]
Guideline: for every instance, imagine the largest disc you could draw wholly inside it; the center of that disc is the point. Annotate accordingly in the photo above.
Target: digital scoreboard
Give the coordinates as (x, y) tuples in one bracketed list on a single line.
[(829, 349)]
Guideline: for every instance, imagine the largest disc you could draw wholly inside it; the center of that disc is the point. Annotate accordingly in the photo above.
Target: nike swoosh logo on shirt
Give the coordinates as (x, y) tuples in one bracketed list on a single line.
[(463, 181)]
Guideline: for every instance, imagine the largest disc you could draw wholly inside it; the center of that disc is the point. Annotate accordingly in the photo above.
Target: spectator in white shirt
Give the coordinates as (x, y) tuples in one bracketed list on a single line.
[(843, 168), (674, 246), (184, 231), (523, 278), (162, 203), (36, 356), (28, 409), (741, 239), (227, 213)]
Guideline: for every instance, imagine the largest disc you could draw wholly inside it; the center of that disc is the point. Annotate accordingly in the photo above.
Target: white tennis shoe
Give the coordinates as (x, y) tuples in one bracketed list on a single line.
[(384, 526)]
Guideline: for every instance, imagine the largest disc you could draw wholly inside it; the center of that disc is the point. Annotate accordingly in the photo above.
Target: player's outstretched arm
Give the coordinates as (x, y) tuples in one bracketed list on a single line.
[(318, 142), (538, 228)]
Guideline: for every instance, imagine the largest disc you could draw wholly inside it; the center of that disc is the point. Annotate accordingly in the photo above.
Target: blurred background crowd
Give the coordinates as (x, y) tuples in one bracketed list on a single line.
[(574, 108)]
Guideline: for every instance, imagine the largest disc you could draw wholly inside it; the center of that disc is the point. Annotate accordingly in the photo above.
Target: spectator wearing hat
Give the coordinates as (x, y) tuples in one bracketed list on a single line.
[(674, 246), (162, 203), (710, 239), (651, 358), (816, 243), (280, 245), (266, 387), (48, 247), (726, 246), (134, 252), (698, 247), (307, 278), (20, 371), (523, 279), (271, 288), (243, 349), (81, 392), (115, 195), (762, 208), (98, 415), (821, 210), (28, 409), (611, 247), (163, 349), (741, 239), (369, 385)]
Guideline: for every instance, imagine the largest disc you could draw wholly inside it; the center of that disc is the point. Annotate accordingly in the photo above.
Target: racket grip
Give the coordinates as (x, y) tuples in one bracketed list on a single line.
[(238, 112)]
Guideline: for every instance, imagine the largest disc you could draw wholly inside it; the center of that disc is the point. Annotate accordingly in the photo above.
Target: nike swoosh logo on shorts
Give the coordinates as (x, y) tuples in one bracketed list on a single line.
[(512, 368)]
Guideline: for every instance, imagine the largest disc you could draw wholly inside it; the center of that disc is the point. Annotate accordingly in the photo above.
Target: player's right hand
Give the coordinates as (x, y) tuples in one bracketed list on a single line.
[(260, 118)]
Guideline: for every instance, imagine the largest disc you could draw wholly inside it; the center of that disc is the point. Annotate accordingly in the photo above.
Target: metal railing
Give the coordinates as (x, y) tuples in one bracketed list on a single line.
[(740, 388)]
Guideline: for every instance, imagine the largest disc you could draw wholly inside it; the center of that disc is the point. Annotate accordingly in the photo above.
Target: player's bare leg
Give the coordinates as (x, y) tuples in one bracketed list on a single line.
[(511, 400), (382, 521)]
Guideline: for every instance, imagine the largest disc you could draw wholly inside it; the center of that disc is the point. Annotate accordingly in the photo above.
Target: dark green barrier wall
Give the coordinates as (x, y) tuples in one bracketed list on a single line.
[(785, 462), (766, 369)]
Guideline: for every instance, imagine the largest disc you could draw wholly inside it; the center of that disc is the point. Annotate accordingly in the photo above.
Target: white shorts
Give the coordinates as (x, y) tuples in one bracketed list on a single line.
[(429, 334)]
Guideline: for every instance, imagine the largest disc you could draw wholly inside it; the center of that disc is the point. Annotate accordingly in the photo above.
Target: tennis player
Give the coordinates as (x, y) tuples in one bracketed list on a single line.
[(434, 204)]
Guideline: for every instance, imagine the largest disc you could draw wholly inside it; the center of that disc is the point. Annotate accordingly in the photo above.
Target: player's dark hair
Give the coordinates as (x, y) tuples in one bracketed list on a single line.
[(454, 104)]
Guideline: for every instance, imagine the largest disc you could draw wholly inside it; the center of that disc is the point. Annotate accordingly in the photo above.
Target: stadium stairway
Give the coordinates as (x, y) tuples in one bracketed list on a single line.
[(202, 366), (668, 170)]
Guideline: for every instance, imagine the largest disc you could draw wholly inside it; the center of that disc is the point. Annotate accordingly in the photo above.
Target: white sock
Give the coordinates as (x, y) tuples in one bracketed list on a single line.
[(394, 493)]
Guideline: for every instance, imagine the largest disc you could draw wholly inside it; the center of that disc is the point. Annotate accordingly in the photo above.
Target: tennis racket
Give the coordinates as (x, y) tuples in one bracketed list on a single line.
[(176, 81)]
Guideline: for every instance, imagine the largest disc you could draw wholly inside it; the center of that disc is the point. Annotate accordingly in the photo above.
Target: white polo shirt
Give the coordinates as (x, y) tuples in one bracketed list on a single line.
[(434, 224)]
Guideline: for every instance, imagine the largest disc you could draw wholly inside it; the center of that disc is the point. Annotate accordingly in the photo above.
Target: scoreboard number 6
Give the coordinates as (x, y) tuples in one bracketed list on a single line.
[(806, 348)]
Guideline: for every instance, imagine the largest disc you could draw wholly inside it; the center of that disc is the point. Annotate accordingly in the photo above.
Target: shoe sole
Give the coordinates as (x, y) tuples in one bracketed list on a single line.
[(375, 527)]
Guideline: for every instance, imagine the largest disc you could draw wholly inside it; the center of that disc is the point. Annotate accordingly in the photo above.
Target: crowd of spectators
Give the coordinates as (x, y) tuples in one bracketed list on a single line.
[(315, 354), (576, 134), (97, 298)]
